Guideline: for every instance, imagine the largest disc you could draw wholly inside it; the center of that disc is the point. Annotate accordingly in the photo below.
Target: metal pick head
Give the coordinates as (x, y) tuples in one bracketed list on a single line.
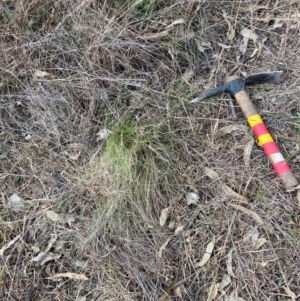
[(210, 93), (272, 77)]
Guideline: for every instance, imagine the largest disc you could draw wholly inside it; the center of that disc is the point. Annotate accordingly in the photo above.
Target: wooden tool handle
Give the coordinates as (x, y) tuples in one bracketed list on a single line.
[(265, 139)]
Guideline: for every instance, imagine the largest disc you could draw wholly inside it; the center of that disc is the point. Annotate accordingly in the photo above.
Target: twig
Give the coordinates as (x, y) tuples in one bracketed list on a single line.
[(243, 62), (25, 241)]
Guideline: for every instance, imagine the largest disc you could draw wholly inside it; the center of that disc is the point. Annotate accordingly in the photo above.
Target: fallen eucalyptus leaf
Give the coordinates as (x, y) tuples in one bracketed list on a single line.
[(163, 216), (229, 263), (164, 245), (248, 212), (69, 275), (39, 73), (207, 254)]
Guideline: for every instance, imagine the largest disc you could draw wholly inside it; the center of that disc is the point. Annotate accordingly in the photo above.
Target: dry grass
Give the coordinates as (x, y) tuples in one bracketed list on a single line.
[(70, 69)]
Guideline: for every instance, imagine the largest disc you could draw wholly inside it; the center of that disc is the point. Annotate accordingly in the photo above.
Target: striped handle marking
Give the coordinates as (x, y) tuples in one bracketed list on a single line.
[(270, 147)]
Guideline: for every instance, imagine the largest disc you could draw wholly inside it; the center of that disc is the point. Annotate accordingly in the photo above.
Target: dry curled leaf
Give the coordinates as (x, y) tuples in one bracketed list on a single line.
[(75, 150), (234, 296), (253, 8), (178, 291), (165, 296), (211, 174), (39, 73), (233, 127), (153, 36), (226, 280), (60, 218), (229, 193), (213, 292), (277, 24), (249, 145), (178, 229), (260, 242), (103, 134), (224, 46), (188, 74), (176, 22), (250, 35), (290, 293), (203, 46), (206, 255), (48, 257), (251, 237), (164, 245), (192, 198), (247, 152), (39, 258), (15, 203), (163, 216), (9, 244), (70, 276), (231, 31)]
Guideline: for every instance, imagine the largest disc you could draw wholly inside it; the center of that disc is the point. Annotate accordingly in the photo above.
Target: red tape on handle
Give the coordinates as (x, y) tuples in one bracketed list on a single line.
[(270, 148)]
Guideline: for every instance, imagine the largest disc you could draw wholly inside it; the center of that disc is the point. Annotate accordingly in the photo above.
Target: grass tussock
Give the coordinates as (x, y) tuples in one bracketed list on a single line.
[(92, 216)]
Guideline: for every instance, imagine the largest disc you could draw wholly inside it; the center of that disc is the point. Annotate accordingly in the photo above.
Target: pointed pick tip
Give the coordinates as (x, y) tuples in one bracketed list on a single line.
[(197, 99)]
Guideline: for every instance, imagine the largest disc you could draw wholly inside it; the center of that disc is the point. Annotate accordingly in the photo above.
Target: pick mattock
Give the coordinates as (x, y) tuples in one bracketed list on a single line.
[(236, 86)]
